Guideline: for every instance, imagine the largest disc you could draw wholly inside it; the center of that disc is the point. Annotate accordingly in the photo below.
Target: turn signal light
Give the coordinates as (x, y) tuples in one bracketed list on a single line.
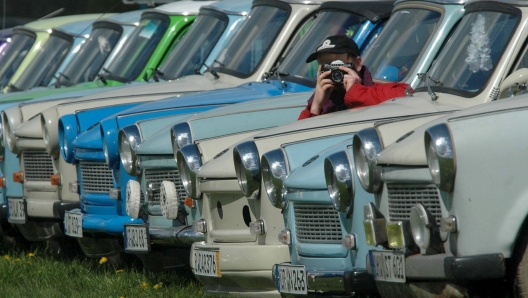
[(1, 157), (18, 177), (55, 180), (2, 182), (189, 202)]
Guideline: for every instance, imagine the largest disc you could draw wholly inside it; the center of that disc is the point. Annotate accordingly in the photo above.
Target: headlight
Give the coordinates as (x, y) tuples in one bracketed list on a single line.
[(133, 199), (440, 156), (9, 136), (424, 228), (189, 161), (340, 182), (366, 147), (180, 137), (2, 134), (128, 140), (274, 170), (169, 200), (247, 167), (68, 130)]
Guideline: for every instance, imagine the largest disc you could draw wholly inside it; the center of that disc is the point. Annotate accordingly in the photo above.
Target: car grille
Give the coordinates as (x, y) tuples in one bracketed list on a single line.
[(155, 177), (403, 197), (38, 165), (96, 177), (317, 224)]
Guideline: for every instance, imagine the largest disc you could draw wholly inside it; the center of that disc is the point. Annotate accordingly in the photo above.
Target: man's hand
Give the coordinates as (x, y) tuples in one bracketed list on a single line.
[(351, 77), (322, 91)]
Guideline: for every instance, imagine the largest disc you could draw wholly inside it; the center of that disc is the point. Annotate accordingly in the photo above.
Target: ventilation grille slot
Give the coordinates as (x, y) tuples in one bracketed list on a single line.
[(403, 197), (96, 177), (155, 177), (38, 165), (317, 224)]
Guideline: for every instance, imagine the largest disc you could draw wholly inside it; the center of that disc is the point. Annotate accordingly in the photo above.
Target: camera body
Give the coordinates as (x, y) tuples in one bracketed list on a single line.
[(336, 74)]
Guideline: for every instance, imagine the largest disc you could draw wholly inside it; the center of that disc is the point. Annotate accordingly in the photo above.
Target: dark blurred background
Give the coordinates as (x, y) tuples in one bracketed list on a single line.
[(18, 12)]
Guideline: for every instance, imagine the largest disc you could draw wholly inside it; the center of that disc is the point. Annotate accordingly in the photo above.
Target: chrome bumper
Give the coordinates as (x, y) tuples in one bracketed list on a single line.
[(182, 236)]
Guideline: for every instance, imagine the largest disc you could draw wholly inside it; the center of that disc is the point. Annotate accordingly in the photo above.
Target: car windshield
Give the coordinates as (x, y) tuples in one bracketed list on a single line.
[(144, 40), (12, 56), (46, 62), (395, 53), (245, 50), (90, 56), (328, 23), (195, 46), (469, 58)]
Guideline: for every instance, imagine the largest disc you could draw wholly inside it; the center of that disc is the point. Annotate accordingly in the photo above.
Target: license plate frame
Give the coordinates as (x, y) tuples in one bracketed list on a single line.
[(137, 238), (392, 272), (73, 224), (19, 208), (211, 258), (284, 282)]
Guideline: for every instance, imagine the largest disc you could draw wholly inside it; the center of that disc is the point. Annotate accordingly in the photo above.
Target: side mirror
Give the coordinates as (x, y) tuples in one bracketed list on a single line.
[(514, 83)]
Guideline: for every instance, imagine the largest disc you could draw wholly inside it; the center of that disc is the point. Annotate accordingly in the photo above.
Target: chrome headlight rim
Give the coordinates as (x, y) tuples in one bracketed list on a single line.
[(441, 157), (189, 161), (129, 139), (181, 136), (274, 170), (340, 181), (246, 159), (367, 146), (9, 135)]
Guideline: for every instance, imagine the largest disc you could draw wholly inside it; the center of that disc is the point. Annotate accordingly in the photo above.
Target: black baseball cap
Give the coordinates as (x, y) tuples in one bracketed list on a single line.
[(337, 44)]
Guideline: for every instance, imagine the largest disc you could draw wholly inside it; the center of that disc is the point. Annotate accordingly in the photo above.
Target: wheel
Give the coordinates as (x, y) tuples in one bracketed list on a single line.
[(12, 239), (63, 248)]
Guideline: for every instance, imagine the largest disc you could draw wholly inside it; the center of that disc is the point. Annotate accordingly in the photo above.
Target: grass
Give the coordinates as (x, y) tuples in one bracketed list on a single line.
[(35, 273)]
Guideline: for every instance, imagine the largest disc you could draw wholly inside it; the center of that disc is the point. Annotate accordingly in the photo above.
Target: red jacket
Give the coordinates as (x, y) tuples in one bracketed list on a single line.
[(362, 96)]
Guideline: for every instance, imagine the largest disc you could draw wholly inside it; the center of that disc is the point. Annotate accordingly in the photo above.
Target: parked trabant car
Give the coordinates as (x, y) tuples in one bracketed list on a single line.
[(405, 196), (27, 41), (209, 145), (43, 189), (175, 231), (289, 19)]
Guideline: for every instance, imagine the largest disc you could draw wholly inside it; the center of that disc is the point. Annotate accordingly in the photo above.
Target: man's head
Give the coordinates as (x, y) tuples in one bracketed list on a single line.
[(338, 47)]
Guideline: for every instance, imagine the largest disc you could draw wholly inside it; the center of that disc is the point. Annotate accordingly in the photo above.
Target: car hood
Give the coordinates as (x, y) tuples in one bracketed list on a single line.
[(411, 150)]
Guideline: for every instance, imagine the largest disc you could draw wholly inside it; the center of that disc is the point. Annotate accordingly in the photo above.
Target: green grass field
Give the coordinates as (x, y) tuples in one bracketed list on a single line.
[(35, 273)]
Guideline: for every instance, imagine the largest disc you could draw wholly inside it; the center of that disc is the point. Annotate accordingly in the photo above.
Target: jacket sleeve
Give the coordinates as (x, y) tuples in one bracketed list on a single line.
[(362, 96)]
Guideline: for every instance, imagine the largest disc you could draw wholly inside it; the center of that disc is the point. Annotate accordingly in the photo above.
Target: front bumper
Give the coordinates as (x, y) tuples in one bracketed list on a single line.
[(111, 224), (440, 271), (338, 282), (246, 268), (182, 236)]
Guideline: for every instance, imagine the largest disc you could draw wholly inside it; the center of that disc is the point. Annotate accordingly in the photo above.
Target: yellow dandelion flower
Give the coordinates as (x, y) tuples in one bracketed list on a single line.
[(119, 271), (157, 286), (31, 254), (144, 285), (38, 272), (103, 260), (17, 260), (6, 257)]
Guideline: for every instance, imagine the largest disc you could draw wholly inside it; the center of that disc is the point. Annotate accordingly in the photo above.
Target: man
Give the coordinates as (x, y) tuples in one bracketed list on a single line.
[(357, 88)]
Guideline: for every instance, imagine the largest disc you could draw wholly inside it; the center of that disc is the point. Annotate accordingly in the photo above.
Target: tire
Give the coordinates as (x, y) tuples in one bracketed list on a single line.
[(520, 266)]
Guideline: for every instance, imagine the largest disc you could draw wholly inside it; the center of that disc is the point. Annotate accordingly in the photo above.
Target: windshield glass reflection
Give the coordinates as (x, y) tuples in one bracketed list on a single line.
[(13, 55)]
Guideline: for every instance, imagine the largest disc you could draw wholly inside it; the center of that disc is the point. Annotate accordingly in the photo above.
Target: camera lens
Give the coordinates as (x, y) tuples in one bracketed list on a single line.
[(337, 76)]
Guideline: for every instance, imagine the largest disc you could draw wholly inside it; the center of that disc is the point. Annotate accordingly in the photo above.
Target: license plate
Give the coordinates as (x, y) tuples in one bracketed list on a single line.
[(17, 211), (291, 279), (73, 224), (137, 238), (388, 266), (207, 263)]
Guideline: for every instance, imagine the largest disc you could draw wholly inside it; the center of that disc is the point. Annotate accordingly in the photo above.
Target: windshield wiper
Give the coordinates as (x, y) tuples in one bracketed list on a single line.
[(428, 79), (156, 74), (58, 82)]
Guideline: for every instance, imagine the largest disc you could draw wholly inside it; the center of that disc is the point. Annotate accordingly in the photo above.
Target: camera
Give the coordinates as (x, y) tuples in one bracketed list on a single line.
[(336, 74)]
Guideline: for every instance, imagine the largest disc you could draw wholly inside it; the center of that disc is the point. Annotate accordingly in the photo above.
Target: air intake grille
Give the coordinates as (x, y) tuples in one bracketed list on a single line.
[(155, 177), (96, 177), (317, 224), (38, 165), (403, 197)]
